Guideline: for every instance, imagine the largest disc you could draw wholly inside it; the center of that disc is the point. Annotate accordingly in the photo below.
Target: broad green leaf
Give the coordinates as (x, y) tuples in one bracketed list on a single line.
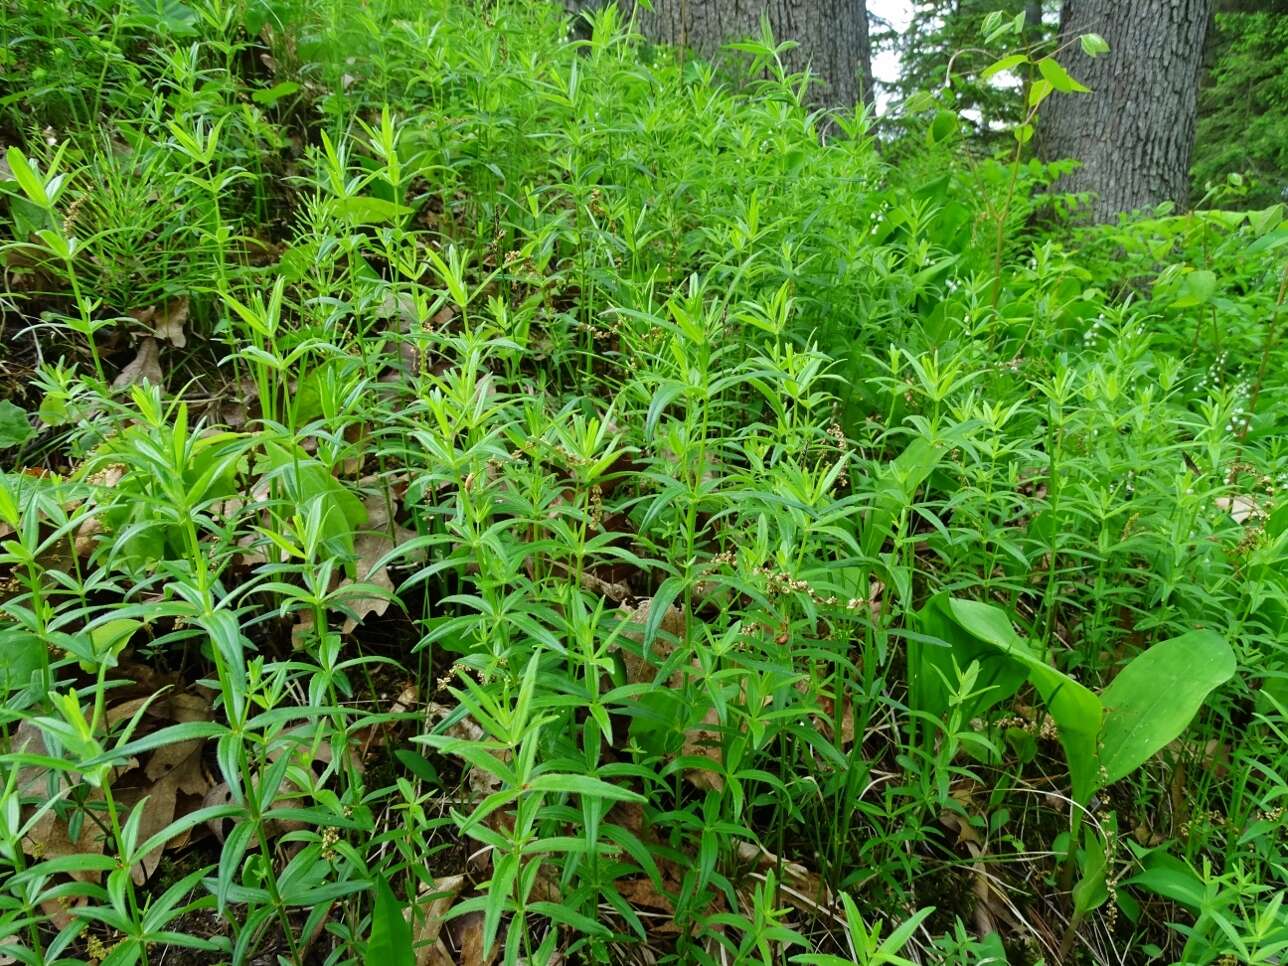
[(1055, 74), (169, 15), (1266, 219), (921, 279), (1093, 45), (418, 766), (259, 13), (271, 95), (370, 211), (920, 102), (15, 427), (31, 184), (1169, 877), (903, 932), (110, 636), (898, 484), (390, 943), (1006, 63), (22, 656), (1075, 709), (1092, 889), (943, 127), (1268, 242), (1155, 697), (1196, 288), (55, 409), (932, 667)]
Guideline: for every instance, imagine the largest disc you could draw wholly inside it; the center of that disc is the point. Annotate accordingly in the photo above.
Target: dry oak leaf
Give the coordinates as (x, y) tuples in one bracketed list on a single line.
[(466, 729), (701, 742), (88, 532), (146, 366), (167, 320), (174, 770), (705, 743), (825, 718)]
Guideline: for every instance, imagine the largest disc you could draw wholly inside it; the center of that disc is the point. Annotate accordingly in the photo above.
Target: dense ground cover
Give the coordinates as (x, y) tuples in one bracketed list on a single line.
[(478, 490)]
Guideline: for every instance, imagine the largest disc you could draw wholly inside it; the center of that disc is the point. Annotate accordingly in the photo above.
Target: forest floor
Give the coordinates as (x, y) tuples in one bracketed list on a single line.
[(473, 494)]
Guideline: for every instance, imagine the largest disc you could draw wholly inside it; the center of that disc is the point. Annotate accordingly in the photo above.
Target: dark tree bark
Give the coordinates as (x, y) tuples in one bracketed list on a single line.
[(832, 36), (1135, 133), (1033, 17)]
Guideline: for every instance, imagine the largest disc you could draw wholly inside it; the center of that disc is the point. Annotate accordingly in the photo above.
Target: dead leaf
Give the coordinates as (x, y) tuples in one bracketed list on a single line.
[(358, 436), (640, 669), (177, 779), (826, 721), (170, 321), (1242, 508), (481, 783), (172, 779), (642, 894), (991, 904), (146, 366), (468, 933), (304, 630), (167, 320), (59, 910), (406, 699), (804, 889), (179, 771), (383, 534), (87, 533), (430, 950), (612, 589), (219, 794), (49, 837), (699, 742)]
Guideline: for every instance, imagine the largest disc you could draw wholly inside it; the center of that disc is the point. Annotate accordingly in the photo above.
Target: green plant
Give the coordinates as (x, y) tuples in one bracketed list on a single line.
[(527, 491)]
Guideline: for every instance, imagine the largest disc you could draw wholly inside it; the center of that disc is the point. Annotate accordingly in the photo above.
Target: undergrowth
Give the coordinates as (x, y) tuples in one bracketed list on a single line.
[(476, 489)]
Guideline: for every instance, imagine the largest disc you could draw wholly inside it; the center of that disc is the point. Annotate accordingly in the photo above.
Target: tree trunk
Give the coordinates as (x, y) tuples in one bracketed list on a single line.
[(832, 36), (1033, 18), (1134, 134)]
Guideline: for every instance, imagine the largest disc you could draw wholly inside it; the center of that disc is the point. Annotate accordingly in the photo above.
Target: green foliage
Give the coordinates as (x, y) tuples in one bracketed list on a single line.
[(475, 484), (390, 942), (1154, 698), (947, 49), (15, 425), (1146, 706), (1243, 108)]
